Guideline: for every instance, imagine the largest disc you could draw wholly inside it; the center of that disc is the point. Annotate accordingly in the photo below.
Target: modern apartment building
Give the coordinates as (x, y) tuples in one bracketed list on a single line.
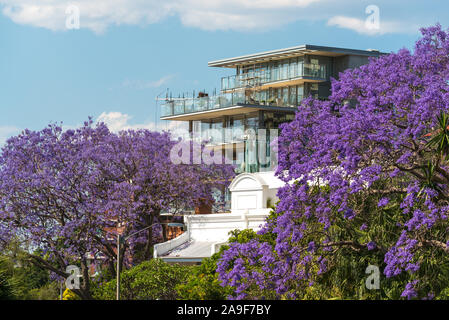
[(264, 91)]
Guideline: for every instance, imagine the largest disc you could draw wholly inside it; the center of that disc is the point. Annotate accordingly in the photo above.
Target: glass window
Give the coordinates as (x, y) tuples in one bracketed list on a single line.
[(252, 121), (263, 97), (271, 99), (300, 93), (239, 156), (268, 120), (274, 72), (236, 123), (293, 96), (314, 90), (284, 70), (216, 131), (284, 101), (293, 72)]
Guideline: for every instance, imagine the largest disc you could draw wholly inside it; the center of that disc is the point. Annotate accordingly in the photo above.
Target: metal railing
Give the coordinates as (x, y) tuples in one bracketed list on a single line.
[(281, 73)]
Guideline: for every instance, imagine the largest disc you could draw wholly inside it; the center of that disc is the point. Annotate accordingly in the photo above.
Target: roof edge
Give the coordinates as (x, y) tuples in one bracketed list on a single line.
[(302, 48)]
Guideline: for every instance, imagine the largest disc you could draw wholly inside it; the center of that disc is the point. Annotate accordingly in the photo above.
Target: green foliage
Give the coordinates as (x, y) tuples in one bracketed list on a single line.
[(6, 288), (49, 291), (202, 282), (150, 280), (441, 139), (243, 236), (23, 280)]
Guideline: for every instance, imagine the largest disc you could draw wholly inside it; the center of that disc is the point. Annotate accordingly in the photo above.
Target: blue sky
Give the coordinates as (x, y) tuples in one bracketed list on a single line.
[(126, 52)]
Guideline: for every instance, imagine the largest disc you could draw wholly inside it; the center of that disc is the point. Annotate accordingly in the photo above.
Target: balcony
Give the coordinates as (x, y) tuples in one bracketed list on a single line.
[(223, 104), (179, 106), (285, 73)]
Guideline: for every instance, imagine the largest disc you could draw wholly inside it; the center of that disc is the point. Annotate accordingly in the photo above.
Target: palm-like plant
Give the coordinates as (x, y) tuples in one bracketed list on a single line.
[(428, 183), (441, 138)]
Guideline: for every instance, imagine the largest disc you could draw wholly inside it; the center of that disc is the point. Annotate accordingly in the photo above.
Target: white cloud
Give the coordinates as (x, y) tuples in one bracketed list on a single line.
[(117, 121), (95, 15), (238, 15), (6, 132), (359, 26)]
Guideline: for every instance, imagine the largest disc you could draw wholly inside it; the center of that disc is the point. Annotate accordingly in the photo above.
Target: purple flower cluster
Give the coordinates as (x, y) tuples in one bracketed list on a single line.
[(410, 291), (66, 192), (374, 128)]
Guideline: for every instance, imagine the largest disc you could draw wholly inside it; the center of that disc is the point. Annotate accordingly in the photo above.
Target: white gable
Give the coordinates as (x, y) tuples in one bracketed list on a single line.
[(252, 192), (246, 183)]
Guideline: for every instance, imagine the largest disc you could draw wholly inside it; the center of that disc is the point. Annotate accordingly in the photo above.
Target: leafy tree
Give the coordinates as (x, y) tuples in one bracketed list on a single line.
[(28, 281), (367, 182), (49, 291), (150, 280), (65, 193), (202, 282), (6, 287)]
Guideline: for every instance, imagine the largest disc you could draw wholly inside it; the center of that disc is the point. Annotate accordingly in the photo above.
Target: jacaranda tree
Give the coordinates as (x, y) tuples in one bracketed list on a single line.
[(367, 182), (64, 194)]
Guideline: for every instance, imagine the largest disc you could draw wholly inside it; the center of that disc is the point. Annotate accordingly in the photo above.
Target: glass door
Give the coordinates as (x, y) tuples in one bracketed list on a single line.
[(274, 72), (284, 71), (293, 96), (284, 98)]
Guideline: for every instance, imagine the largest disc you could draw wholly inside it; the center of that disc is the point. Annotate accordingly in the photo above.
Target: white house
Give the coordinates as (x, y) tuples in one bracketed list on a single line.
[(252, 194)]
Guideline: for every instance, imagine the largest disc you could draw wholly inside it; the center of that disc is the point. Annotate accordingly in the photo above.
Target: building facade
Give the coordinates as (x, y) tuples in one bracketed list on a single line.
[(264, 91)]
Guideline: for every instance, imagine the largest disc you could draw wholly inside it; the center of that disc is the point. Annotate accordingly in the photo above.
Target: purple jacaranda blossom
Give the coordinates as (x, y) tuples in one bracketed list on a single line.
[(383, 202), (349, 214), (370, 138), (66, 192), (410, 291), (371, 245)]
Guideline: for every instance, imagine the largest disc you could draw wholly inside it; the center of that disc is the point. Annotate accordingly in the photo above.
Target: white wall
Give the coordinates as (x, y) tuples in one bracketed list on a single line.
[(215, 227)]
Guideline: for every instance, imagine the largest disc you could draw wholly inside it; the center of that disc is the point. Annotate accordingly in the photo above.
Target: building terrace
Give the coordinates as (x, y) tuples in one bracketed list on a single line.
[(274, 80)]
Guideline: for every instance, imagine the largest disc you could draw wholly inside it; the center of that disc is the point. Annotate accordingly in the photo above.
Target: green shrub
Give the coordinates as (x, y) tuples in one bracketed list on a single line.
[(6, 288), (203, 283), (49, 291), (150, 280)]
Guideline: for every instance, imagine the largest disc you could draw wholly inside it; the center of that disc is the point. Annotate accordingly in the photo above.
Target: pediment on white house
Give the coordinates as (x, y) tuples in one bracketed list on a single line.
[(247, 181), (254, 192), (255, 181)]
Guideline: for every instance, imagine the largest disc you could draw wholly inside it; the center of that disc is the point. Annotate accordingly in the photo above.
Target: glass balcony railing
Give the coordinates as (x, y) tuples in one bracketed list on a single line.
[(180, 106), (190, 105), (282, 73)]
